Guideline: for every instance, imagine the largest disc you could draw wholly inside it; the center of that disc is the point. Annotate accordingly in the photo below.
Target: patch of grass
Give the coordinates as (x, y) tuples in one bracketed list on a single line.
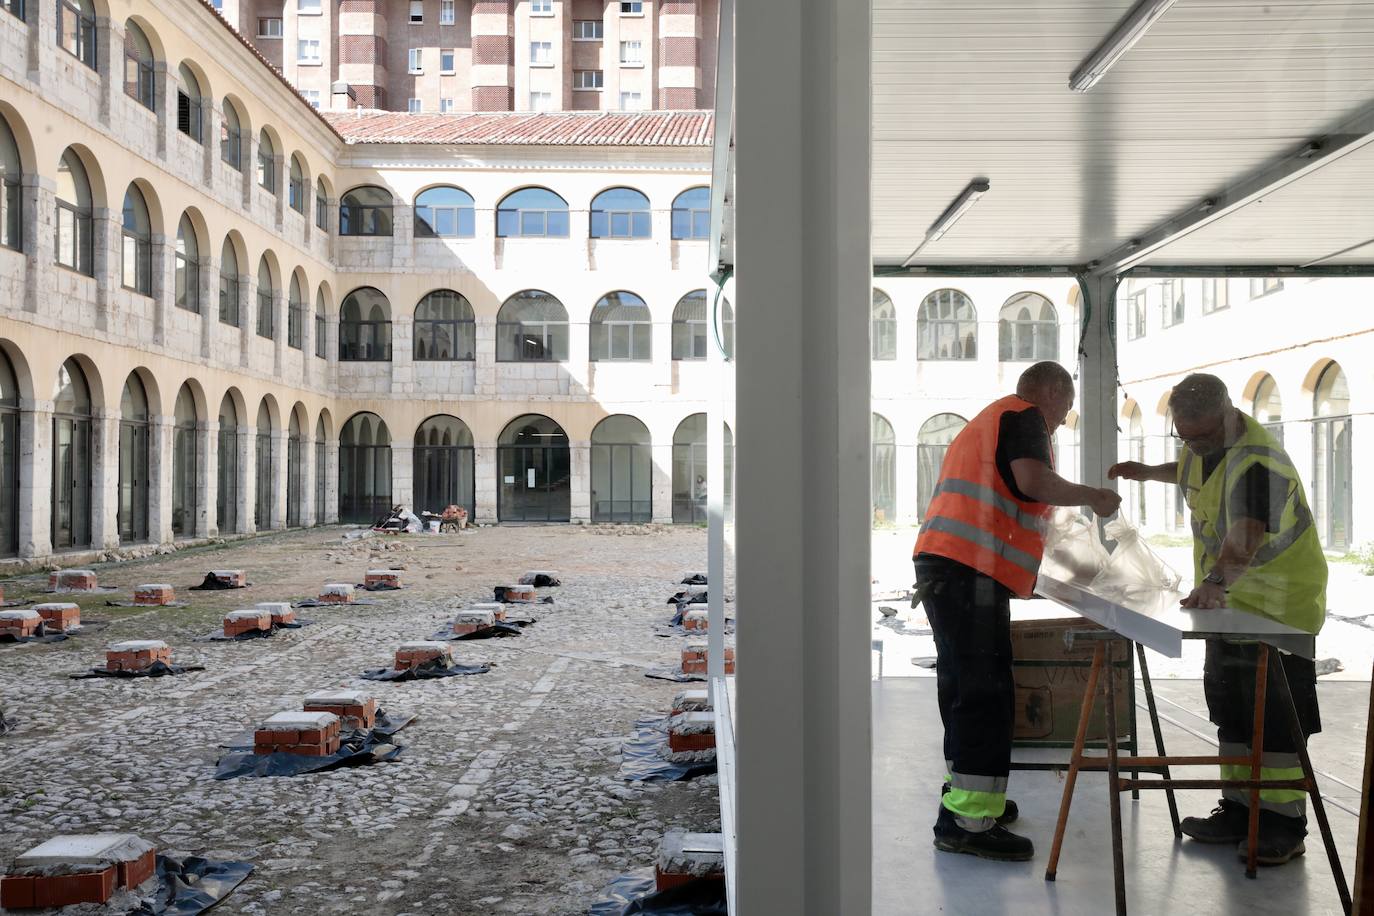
[(1362, 556), (1169, 540)]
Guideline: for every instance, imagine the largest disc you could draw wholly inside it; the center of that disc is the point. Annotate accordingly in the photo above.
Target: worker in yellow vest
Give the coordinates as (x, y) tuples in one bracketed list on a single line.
[(1254, 549), (981, 543)]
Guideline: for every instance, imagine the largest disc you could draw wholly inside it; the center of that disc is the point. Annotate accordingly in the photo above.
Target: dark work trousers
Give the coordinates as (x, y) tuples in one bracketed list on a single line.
[(970, 618)]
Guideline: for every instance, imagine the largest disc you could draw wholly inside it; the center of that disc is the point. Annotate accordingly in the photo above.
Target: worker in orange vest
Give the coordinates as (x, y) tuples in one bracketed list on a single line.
[(981, 543)]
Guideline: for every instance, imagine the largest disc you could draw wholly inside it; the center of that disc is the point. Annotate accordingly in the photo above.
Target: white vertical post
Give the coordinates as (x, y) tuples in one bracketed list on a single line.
[(1097, 380), (715, 501), (804, 280)]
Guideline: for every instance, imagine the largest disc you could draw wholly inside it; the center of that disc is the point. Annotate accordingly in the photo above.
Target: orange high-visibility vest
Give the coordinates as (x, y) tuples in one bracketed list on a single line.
[(974, 518)]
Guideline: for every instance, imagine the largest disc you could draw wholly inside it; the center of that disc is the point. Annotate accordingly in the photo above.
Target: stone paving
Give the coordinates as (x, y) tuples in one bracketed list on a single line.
[(507, 798)]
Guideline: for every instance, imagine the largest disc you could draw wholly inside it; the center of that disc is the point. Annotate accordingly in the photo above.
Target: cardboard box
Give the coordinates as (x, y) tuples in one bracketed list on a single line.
[(1051, 678)]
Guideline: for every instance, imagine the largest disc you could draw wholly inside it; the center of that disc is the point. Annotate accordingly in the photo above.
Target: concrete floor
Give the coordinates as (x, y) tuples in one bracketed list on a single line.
[(1163, 877)]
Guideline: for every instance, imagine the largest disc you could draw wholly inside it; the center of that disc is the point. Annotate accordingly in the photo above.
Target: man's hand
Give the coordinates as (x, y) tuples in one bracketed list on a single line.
[(1206, 596), (1129, 470), (1105, 502)]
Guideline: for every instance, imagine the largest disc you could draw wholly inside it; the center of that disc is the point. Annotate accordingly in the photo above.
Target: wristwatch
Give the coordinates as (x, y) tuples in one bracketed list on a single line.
[(1215, 578)]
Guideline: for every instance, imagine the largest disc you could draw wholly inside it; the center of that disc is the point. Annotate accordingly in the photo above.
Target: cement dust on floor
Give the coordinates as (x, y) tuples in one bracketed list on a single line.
[(508, 797)]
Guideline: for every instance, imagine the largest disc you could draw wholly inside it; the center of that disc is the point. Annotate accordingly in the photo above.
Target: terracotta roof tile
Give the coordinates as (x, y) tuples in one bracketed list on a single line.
[(553, 128)]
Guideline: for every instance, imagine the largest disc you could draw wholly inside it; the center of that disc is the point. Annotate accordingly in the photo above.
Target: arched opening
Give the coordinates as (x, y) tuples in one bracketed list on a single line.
[(365, 211), (692, 326), (691, 471), (295, 312), (321, 205), (364, 469), (265, 466), (532, 327), (74, 211), (231, 137), (1027, 329), (186, 270), (295, 470), (692, 214), (622, 471), (932, 442), (267, 298), (321, 469), (621, 213), (947, 326), (136, 262), (1332, 458), (444, 465), (884, 326), (321, 326), (138, 66), (73, 471), (295, 195), (536, 471), (1133, 449), (445, 327), (445, 212), (227, 476), (228, 283), (189, 105), (11, 189), (76, 32), (267, 163), (621, 328), (1268, 407), (185, 467), (135, 451), (365, 326), (884, 472), (9, 457), (1177, 518), (532, 213)]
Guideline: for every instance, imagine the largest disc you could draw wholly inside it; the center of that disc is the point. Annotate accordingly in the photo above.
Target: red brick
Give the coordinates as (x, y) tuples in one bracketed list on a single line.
[(705, 741), (493, 98), (132, 874), (65, 890), (154, 595), (59, 616), (382, 577), (235, 577), (694, 660), (678, 99), (16, 892), (495, 50), (664, 880), (73, 579)]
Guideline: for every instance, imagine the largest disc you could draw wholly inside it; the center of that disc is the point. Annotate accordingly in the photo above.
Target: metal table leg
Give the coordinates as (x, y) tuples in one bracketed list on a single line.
[(1159, 735), (1114, 791)]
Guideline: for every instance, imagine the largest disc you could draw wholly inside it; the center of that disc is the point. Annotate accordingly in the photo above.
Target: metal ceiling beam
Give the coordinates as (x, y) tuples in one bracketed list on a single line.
[(723, 147), (1353, 135)]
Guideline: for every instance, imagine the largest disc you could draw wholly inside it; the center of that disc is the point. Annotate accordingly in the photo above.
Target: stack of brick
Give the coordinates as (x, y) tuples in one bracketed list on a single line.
[(684, 856), (137, 655), (72, 580), (19, 623), (696, 620), (692, 731), (520, 593), (59, 616), (471, 621), (354, 708), (310, 734), (696, 700), (154, 595), (247, 620), (280, 610), (694, 659), (382, 578), (233, 578), (336, 593), (497, 609), (413, 655), (79, 868)]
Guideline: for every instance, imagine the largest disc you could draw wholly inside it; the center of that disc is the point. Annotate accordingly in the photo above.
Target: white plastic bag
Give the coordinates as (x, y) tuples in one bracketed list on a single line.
[(1133, 565), (1073, 551)]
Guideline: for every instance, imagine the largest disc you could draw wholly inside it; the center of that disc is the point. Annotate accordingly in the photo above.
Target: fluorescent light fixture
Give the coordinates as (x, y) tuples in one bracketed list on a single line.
[(966, 199), (1127, 32)]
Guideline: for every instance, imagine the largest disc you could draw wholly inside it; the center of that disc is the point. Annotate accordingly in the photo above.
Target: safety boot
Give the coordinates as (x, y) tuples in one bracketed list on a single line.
[(1280, 839), (1009, 813), (995, 843), (1229, 822)]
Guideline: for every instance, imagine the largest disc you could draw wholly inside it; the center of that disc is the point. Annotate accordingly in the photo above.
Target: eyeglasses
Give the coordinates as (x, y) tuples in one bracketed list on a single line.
[(1203, 437)]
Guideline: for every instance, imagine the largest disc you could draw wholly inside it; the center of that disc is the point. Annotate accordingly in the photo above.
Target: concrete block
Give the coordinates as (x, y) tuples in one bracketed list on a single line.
[(691, 701), (308, 733), (59, 616), (498, 610), (281, 611), (78, 868), (684, 856)]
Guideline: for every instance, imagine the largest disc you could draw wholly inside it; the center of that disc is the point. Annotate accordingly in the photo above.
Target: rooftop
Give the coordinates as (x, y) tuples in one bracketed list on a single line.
[(553, 128)]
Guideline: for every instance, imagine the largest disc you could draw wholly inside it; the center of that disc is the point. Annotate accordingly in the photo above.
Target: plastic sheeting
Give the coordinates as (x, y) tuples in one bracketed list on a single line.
[(124, 602), (1133, 565), (497, 629), (498, 594), (156, 669), (218, 635), (379, 587), (662, 673), (315, 602), (426, 672), (211, 584), (541, 580), (1073, 550), (634, 894), (400, 520), (187, 886), (642, 760), (694, 579), (356, 748)]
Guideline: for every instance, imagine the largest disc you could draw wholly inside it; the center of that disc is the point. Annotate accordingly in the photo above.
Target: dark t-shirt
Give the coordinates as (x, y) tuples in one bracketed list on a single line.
[(1260, 494), (1022, 434)]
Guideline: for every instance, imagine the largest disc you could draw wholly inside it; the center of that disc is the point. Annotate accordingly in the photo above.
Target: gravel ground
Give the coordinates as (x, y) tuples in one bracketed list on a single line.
[(507, 798)]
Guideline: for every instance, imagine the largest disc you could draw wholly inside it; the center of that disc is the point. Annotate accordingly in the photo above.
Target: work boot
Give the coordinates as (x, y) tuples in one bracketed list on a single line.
[(1009, 813), (1229, 822), (1280, 839), (995, 843)]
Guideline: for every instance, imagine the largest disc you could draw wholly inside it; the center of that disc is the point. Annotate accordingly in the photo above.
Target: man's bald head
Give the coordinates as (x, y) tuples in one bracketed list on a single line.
[(1199, 397), (1048, 386)]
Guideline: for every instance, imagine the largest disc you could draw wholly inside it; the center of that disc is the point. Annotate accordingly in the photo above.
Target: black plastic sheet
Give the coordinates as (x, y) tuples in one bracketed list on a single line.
[(379, 587), (42, 634), (681, 598), (663, 673), (211, 584), (497, 629), (156, 669), (191, 885), (694, 579), (498, 593), (634, 895), (642, 760), (17, 602), (124, 602), (425, 672), (356, 748), (315, 602), (541, 580), (6, 725), (218, 635)]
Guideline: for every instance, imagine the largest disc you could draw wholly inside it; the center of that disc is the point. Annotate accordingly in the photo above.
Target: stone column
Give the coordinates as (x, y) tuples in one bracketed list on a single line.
[(402, 236), (580, 470), (207, 478), (105, 485), (35, 478), (106, 243), (163, 290), (662, 484), (38, 201), (248, 167), (160, 480), (165, 98), (403, 474), (279, 182), (331, 494), (908, 468), (279, 488), (41, 19), (278, 331), (209, 138), (209, 304), (309, 509), (248, 473), (486, 482), (248, 316), (108, 36)]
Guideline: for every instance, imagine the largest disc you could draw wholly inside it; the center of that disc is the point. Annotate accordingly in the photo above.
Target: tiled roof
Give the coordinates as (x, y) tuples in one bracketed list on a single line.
[(554, 128)]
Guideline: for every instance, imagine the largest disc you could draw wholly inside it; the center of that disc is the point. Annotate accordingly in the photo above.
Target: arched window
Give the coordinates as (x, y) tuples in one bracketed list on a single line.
[(884, 482), (532, 327), (74, 209), (295, 194), (1268, 409), (932, 442), (185, 467), (11, 185), (692, 214), (231, 137), (136, 271), (446, 213), (138, 67), (692, 325), (228, 284), (947, 326), (365, 211), (187, 269), (884, 327), (1028, 329), (73, 470), (267, 298), (267, 163), (621, 328), (1134, 449), (9, 458), (321, 326), (621, 213), (535, 471), (365, 326), (532, 213), (295, 455), (321, 205), (189, 104), (265, 465), (691, 471), (134, 450), (76, 29), (227, 476), (364, 469), (622, 471), (444, 465), (445, 328), (1332, 462), (1178, 517), (321, 470), (295, 314)]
